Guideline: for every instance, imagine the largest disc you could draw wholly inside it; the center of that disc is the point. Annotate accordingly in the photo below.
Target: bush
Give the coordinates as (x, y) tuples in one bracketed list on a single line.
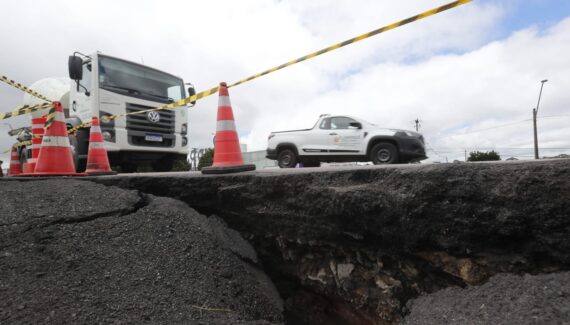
[(207, 159), (483, 156), (181, 165)]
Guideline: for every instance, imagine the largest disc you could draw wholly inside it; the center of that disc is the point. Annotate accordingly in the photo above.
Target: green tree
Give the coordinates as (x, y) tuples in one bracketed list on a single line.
[(207, 159), (483, 156)]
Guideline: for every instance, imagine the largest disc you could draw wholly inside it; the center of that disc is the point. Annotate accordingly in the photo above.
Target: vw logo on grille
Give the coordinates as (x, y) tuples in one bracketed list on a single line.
[(153, 117)]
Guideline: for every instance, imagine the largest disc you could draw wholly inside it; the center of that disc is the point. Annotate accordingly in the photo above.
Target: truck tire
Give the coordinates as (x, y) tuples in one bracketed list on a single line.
[(287, 159), (128, 167), (77, 150), (384, 153), (164, 164)]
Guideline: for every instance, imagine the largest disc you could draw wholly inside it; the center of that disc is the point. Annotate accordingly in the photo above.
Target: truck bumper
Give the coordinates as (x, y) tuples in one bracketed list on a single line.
[(412, 150), (271, 154)]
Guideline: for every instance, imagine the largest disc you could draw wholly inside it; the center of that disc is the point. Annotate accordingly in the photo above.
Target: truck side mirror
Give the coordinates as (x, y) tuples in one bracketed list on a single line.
[(355, 125), (191, 92), (75, 65)]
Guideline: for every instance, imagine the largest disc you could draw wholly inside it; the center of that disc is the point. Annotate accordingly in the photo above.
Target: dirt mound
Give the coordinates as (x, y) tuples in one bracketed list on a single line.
[(505, 299), (79, 253)]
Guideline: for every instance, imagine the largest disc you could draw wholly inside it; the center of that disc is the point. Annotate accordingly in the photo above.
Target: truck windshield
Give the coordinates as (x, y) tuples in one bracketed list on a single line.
[(138, 81)]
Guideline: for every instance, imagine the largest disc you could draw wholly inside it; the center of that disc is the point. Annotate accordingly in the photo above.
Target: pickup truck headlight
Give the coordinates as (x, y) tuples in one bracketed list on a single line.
[(184, 128)]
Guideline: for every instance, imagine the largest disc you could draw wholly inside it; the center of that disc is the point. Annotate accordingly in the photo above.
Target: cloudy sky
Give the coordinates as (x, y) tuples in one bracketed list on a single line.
[(471, 75)]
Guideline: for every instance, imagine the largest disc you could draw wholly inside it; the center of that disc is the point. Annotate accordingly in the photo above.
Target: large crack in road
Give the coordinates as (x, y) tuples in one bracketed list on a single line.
[(352, 246)]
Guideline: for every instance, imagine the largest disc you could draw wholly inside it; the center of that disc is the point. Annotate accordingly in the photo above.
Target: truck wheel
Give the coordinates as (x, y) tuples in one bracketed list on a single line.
[(384, 153), (129, 167), (287, 159), (76, 150), (164, 164)]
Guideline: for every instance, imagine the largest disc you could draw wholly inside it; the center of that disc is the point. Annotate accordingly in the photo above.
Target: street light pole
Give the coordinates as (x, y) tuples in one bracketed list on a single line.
[(534, 113)]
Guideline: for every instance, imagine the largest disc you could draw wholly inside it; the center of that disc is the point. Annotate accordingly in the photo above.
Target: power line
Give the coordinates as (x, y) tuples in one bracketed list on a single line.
[(500, 126)]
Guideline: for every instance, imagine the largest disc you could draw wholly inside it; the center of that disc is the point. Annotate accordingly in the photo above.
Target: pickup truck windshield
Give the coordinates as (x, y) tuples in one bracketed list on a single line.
[(135, 80)]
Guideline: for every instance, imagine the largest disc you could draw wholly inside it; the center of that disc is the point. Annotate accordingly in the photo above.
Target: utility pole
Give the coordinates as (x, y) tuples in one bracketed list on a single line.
[(417, 121), (534, 114)]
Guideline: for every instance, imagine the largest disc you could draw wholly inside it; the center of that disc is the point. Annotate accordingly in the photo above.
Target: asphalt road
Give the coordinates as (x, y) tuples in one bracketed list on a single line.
[(76, 252)]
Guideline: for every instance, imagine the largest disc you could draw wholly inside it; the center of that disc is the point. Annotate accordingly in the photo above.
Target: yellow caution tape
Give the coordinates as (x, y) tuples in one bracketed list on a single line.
[(22, 110), (23, 88), (357, 39), (214, 90), (206, 93)]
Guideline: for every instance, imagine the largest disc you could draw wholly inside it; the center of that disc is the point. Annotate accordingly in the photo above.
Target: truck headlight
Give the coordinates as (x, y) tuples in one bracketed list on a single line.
[(184, 128), (108, 136), (184, 141), (105, 119)]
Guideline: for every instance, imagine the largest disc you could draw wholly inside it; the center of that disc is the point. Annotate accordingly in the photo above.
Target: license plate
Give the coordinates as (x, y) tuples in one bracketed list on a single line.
[(153, 137)]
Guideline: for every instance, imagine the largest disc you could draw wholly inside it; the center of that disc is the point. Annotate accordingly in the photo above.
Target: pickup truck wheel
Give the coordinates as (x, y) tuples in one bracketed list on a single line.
[(384, 153), (287, 159)]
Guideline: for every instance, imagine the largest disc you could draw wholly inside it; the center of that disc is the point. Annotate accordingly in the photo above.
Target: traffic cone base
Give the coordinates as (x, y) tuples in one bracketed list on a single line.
[(227, 153), (228, 169)]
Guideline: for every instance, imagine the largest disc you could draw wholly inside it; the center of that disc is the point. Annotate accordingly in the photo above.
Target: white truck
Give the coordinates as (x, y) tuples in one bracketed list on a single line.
[(102, 85), (344, 139)]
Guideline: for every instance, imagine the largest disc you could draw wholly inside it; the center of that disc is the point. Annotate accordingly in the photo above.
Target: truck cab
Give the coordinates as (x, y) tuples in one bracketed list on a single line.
[(106, 86)]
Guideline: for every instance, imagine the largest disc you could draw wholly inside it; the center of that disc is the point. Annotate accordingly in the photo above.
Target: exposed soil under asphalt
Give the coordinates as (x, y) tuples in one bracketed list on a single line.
[(354, 245)]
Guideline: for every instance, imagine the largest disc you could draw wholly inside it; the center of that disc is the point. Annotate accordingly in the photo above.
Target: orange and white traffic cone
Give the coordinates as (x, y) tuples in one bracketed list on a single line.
[(97, 159), (55, 157), (227, 152), (37, 136), (15, 165)]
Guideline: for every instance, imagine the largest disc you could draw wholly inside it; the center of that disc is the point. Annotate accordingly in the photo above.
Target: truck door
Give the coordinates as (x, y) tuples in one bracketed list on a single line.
[(81, 95), (346, 140), (318, 142)]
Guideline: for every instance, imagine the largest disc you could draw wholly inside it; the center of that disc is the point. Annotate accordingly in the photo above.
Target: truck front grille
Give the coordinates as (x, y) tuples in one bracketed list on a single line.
[(140, 122), (140, 125)]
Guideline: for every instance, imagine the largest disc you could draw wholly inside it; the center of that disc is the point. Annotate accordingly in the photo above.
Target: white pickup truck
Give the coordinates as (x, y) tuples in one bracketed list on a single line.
[(342, 139)]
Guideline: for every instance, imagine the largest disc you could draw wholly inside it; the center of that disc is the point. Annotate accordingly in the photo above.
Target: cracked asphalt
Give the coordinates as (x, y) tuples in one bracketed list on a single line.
[(505, 299), (75, 252)]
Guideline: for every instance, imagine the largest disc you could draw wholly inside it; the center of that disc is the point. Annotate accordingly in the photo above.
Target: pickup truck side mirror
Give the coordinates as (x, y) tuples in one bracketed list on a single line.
[(191, 92), (75, 65), (355, 125)]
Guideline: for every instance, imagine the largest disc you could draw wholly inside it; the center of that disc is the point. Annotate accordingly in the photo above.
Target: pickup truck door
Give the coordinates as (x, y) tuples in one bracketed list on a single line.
[(346, 140), (318, 141)]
